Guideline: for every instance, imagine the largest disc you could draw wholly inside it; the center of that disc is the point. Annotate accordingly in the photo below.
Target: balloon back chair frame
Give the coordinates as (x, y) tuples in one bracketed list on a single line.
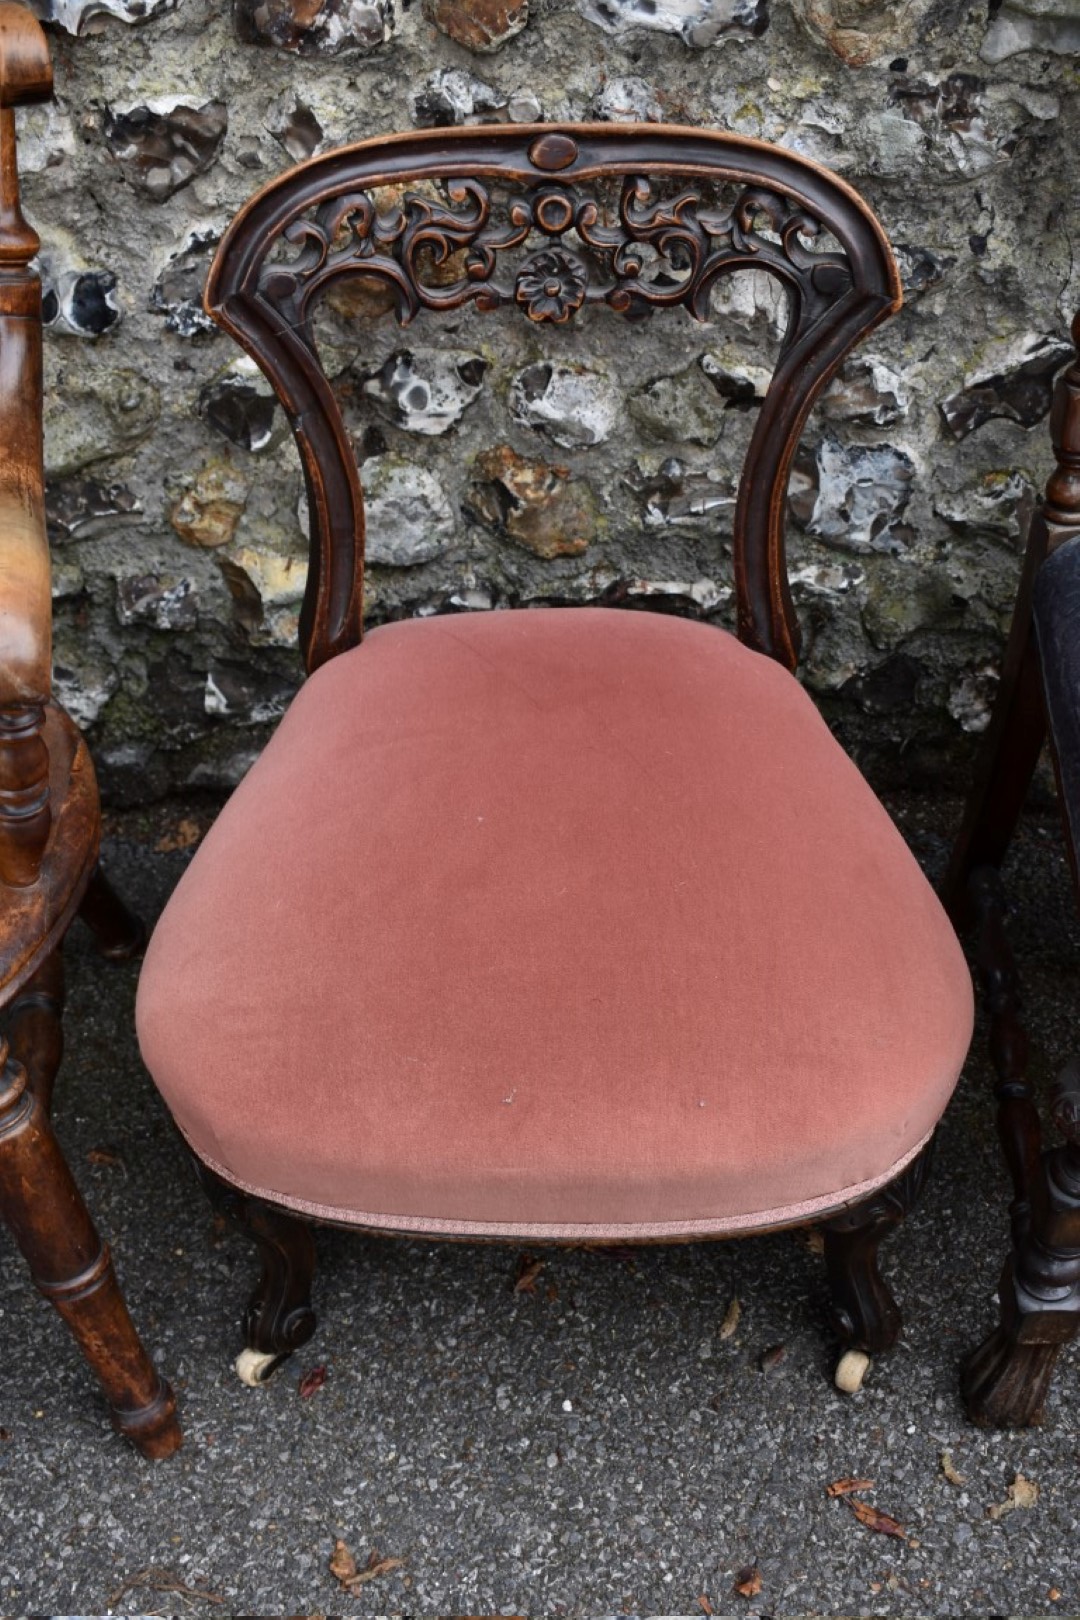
[(517, 222)]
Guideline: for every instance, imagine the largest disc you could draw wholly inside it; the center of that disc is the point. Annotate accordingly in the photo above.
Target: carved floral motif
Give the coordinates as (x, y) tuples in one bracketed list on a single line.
[(551, 286), (641, 252)]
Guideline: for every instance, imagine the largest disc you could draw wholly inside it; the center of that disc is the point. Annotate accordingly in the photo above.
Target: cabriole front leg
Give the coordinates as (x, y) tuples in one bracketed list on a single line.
[(71, 1266), (279, 1317), (1005, 1381), (864, 1313)]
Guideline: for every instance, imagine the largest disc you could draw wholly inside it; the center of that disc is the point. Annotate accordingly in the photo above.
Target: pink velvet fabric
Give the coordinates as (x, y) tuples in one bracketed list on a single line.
[(555, 922)]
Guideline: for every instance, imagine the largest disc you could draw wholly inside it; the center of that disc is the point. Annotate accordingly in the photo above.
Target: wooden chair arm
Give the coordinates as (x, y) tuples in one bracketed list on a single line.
[(25, 593)]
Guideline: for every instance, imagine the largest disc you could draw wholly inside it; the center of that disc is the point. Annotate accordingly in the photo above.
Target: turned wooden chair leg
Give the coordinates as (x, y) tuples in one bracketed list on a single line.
[(1006, 1380), (71, 1266), (279, 1317), (119, 933), (33, 1023), (864, 1313)]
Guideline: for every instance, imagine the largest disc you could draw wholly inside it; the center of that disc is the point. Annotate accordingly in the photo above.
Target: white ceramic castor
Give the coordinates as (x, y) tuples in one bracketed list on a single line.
[(254, 1367), (851, 1369)]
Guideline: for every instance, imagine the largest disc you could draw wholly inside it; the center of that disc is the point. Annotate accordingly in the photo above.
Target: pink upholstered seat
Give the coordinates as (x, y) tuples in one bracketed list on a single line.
[(555, 922)]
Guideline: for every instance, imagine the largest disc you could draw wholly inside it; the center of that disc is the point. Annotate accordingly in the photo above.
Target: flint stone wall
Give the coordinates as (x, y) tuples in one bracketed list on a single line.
[(506, 465)]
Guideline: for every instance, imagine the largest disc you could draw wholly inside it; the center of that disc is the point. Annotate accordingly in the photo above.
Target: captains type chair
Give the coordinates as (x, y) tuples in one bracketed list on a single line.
[(1007, 1378), (50, 830), (572, 923)]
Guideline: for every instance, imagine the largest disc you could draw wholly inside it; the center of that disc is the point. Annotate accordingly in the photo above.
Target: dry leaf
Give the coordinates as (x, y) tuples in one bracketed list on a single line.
[(529, 1268), (1054, 1594), (772, 1357), (874, 1519), (844, 1487), (375, 1567), (182, 836), (729, 1326), (312, 1382), (342, 1564), (1022, 1493), (748, 1582), (159, 1579), (950, 1470), (704, 1605), (343, 1567), (104, 1155), (815, 1241)]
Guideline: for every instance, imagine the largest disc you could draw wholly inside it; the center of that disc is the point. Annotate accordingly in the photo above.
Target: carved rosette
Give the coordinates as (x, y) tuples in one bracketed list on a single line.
[(550, 286)]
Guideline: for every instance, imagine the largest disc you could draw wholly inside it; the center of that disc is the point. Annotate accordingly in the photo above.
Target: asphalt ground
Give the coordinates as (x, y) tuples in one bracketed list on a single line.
[(590, 1444)]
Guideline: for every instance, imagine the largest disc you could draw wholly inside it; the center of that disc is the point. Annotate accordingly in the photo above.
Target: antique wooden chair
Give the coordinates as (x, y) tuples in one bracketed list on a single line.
[(572, 923), (50, 829), (1006, 1379)]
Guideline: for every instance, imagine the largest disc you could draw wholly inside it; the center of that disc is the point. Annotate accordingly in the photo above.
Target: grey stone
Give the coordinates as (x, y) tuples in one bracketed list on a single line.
[(971, 700), (991, 505), (968, 127), (699, 23), (99, 416), (82, 686), (240, 405), (178, 289), (80, 302), (524, 107), (452, 96), (621, 100), (680, 409), (162, 145), (163, 602), (297, 129), (409, 516), (575, 405), (677, 498), (736, 379), (1032, 25), (862, 31), (867, 390), (921, 268), (236, 692), (426, 390), (85, 507), (861, 495), (316, 27), (695, 597), (73, 15), (46, 138), (1015, 384)]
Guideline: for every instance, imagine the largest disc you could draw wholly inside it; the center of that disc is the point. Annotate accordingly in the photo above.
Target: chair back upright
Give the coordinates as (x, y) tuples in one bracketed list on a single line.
[(25, 596)]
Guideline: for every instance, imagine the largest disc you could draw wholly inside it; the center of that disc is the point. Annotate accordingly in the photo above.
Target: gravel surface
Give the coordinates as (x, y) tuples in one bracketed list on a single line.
[(592, 1446)]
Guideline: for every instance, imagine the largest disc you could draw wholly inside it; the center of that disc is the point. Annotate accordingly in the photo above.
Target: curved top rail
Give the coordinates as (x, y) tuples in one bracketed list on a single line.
[(324, 213)]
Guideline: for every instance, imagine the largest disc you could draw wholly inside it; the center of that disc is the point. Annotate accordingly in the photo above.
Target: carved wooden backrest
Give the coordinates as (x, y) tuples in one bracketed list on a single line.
[(520, 214)]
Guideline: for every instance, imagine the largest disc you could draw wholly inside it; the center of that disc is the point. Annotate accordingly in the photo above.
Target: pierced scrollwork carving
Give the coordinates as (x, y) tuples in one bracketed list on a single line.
[(645, 251)]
